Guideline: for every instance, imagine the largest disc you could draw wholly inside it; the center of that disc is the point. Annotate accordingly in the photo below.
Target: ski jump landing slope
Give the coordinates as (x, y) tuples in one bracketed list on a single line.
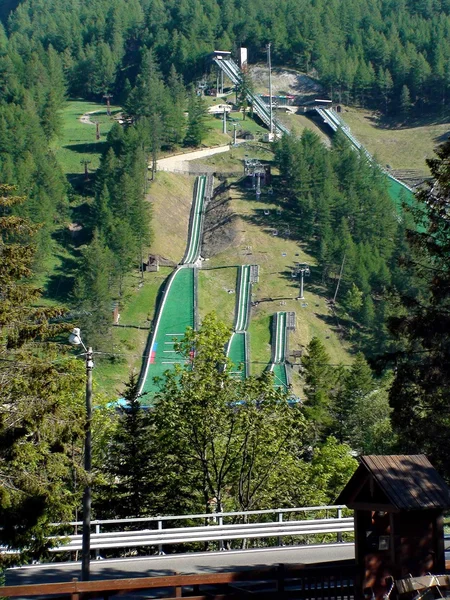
[(177, 308), (279, 348), (237, 349)]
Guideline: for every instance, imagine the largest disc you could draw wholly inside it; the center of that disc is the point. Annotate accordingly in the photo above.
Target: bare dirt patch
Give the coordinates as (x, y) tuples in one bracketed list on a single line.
[(219, 231), (284, 82)]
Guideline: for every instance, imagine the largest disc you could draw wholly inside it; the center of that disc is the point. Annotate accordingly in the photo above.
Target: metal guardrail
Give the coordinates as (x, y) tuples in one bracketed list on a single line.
[(155, 537), (215, 531)]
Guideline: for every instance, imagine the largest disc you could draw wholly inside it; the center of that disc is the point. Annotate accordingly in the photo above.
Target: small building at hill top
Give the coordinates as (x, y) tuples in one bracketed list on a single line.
[(398, 503)]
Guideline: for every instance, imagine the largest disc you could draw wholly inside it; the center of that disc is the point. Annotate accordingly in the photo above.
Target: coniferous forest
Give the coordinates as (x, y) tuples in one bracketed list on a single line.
[(392, 55)]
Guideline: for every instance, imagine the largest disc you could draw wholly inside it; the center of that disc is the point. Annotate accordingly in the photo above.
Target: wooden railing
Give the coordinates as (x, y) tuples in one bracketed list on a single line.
[(331, 582)]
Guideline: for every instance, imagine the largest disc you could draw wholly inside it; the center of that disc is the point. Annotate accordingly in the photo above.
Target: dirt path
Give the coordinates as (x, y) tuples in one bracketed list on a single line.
[(180, 162), (86, 118)]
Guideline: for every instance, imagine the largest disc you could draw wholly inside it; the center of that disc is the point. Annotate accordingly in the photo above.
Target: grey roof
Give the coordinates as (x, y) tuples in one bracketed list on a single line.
[(410, 482)]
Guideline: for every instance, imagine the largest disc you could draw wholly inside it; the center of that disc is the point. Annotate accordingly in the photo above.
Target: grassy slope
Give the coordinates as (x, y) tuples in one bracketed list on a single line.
[(298, 123), (232, 160), (171, 198), (276, 289), (128, 341), (77, 140), (216, 293), (405, 148)]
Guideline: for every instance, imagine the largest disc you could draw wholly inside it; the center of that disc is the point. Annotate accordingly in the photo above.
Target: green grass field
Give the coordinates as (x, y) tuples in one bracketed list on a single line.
[(217, 293), (125, 348), (77, 141), (402, 148)]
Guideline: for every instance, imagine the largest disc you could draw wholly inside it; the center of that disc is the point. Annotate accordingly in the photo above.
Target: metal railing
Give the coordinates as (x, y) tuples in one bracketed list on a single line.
[(158, 535)]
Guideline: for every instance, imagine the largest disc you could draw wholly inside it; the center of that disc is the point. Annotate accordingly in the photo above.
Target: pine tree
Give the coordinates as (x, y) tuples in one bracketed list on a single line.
[(319, 379), (42, 409), (420, 394), (405, 101), (129, 463), (196, 128), (92, 293)]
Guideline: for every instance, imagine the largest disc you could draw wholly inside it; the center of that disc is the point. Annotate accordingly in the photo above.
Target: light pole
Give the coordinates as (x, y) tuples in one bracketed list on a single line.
[(75, 339)]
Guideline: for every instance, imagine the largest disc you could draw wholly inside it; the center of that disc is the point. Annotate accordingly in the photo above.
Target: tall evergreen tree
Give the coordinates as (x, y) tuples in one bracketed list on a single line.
[(420, 394), (129, 462), (41, 414)]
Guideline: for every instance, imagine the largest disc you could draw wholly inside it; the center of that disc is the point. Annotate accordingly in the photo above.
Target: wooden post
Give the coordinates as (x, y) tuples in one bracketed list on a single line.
[(75, 595), (178, 589)]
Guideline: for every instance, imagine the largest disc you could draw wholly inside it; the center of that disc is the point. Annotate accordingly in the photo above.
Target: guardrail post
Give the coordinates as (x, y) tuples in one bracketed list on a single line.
[(160, 548), (339, 516), (280, 520), (221, 546), (97, 551)]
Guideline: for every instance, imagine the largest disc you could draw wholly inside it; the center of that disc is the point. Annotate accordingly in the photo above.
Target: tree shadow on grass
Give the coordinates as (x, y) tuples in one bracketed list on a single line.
[(413, 121), (80, 184), (60, 284), (88, 147), (278, 222)]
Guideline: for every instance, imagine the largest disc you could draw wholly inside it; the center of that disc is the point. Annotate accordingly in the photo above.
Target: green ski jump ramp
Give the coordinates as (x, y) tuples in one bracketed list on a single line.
[(279, 348), (237, 349), (177, 308)]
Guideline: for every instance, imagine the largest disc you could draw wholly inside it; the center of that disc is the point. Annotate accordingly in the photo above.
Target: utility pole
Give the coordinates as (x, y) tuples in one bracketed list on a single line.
[(234, 134), (75, 339), (97, 130), (270, 89), (108, 103), (87, 495), (86, 172)]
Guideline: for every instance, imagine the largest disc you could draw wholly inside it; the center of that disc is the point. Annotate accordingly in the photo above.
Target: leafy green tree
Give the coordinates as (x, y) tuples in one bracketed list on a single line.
[(229, 440), (361, 410)]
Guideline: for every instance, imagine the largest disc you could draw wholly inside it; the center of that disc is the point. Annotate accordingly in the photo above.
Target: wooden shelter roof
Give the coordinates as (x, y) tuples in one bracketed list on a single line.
[(406, 482)]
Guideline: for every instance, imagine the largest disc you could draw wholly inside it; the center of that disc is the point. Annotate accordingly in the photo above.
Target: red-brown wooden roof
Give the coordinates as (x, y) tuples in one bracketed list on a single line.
[(410, 482)]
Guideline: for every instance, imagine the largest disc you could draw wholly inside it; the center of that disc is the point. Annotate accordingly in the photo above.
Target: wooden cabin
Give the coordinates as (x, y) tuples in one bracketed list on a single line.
[(398, 503)]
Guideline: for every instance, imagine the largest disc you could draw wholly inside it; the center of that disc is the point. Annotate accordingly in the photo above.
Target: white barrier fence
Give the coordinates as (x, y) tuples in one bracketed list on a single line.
[(160, 533)]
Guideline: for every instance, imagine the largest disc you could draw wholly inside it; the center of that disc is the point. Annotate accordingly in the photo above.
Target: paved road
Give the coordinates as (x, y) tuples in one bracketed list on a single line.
[(210, 562), (180, 162)]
